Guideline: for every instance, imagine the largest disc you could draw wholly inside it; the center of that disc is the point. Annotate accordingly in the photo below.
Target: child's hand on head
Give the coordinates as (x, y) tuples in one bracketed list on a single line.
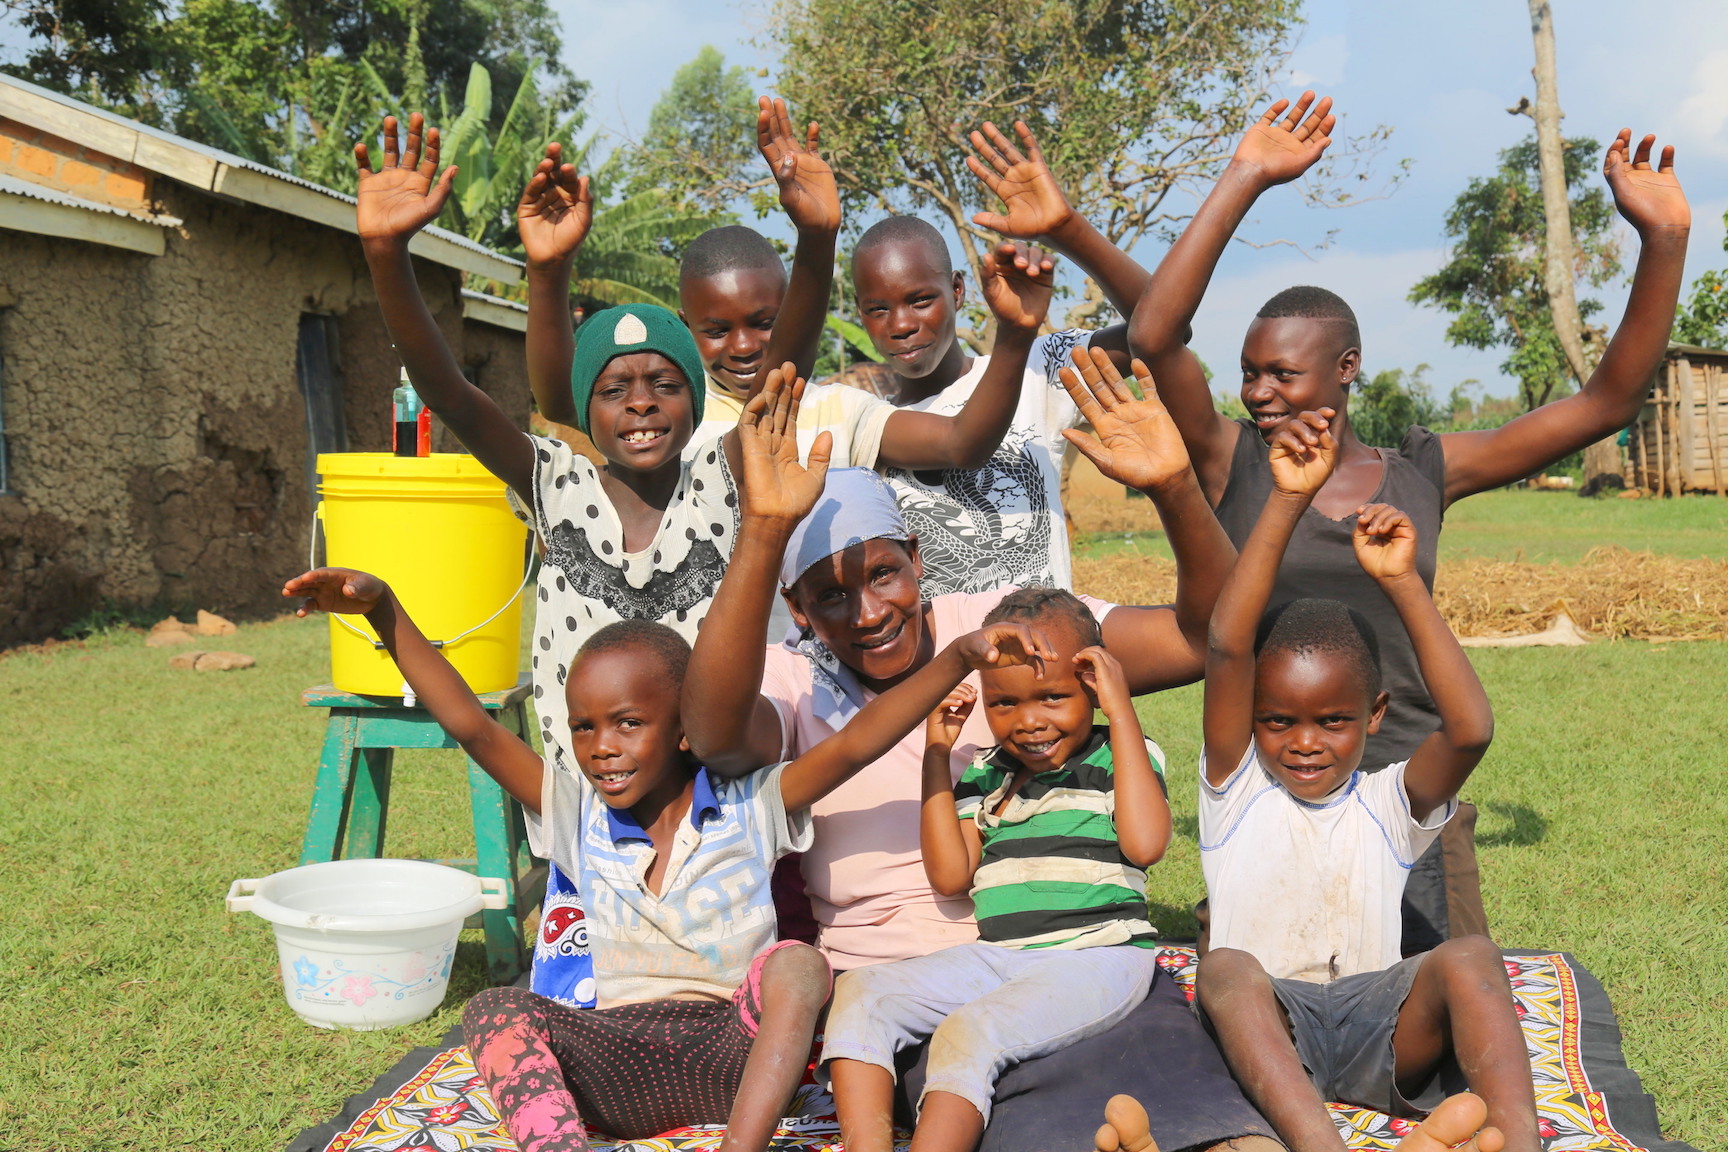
[(556, 210), (401, 197), (1102, 674), (775, 485), (1302, 453), (1019, 280), (1284, 149), (1021, 180), (1385, 542), (1005, 645), (1648, 197), (1133, 441), (942, 729), (808, 193), (340, 590)]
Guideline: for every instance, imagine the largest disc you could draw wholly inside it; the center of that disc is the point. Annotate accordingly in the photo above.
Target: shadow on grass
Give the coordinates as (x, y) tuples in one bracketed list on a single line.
[(1525, 826)]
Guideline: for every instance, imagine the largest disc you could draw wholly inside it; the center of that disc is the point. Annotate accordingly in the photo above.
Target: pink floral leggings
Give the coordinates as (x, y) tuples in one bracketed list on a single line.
[(632, 1071)]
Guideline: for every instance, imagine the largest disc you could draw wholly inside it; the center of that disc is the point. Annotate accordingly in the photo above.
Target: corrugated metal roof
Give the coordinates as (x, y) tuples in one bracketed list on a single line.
[(16, 187), (488, 298), (219, 156)]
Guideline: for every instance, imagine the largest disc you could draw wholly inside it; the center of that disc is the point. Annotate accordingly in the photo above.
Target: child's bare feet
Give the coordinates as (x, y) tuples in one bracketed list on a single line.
[(1458, 1119), (1126, 1128)]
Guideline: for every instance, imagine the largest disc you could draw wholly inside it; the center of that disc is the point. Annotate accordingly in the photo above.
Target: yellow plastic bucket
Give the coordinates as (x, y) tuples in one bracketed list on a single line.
[(439, 530)]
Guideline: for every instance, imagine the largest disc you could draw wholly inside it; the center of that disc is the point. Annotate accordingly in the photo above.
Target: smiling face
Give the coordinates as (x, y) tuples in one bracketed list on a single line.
[(907, 302), (642, 412), (1313, 714), (1042, 723), (1292, 365), (865, 605), (624, 728), (731, 315)]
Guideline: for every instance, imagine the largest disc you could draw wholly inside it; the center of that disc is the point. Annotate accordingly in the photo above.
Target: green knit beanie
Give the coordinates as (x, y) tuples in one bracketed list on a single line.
[(631, 328)]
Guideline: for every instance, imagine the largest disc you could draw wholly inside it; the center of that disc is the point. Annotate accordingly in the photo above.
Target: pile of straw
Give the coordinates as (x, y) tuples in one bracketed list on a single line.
[(1613, 593)]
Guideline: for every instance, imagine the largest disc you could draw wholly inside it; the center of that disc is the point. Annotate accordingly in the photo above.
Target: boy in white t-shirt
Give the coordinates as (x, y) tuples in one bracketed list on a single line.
[(1305, 857)]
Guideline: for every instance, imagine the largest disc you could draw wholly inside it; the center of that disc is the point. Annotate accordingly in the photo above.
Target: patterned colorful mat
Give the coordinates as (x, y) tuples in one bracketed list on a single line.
[(1588, 1100)]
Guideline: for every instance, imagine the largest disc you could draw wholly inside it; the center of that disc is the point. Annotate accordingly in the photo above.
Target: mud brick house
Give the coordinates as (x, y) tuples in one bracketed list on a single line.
[(181, 330)]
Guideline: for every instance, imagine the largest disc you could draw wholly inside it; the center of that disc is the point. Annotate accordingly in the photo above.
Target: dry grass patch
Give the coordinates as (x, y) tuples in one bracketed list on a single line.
[(1612, 594)]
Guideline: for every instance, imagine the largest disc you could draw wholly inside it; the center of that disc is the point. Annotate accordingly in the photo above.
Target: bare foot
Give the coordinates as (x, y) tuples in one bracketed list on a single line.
[(1126, 1128), (1458, 1119)]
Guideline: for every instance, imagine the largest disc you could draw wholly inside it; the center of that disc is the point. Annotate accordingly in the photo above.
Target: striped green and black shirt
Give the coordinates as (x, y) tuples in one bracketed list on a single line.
[(1052, 874)]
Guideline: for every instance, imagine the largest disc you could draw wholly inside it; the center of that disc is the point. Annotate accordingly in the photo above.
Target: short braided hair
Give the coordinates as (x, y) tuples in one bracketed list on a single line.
[(1036, 605)]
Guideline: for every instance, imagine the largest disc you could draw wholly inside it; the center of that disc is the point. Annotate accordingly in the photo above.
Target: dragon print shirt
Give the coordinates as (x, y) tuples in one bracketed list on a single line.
[(987, 528)]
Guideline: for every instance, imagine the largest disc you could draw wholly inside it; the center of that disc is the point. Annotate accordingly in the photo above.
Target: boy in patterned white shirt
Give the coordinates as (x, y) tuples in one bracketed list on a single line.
[(998, 522)]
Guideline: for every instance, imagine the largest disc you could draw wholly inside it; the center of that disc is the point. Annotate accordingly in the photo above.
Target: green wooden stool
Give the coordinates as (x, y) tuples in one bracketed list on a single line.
[(351, 800)]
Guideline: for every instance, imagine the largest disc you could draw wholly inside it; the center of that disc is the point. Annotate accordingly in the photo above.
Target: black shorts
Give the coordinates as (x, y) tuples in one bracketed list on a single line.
[(1343, 1032)]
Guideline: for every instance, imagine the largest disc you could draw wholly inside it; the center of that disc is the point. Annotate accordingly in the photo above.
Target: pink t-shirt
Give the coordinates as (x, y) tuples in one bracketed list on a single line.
[(865, 872)]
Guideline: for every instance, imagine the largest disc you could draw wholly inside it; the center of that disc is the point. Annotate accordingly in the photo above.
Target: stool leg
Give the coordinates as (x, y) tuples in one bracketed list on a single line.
[(493, 857), (331, 790), (371, 806)]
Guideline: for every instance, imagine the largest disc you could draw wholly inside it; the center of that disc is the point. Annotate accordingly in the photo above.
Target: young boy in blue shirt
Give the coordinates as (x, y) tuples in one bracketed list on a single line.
[(703, 1018), (1306, 856)]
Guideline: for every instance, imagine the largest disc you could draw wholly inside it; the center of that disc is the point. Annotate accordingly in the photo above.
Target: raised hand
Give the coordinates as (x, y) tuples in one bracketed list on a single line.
[(556, 210), (776, 487), (1648, 197), (1005, 645), (1021, 180), (401, 198), (1284, 149), (340, 590), (1134, 442), (1385, 542), (1019, 280), (942, 729), (808, 193), (1303, 453), (1102, 674)]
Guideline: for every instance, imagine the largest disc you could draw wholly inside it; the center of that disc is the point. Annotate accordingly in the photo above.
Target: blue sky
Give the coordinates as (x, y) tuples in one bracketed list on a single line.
[(1441, 75)]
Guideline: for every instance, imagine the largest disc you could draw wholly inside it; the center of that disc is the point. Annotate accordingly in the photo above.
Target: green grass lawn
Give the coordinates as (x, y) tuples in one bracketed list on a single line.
[(133, 1009), (1558, 527)]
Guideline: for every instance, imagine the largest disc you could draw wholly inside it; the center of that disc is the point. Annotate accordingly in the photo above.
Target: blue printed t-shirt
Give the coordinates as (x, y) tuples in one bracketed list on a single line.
[(714, 913)]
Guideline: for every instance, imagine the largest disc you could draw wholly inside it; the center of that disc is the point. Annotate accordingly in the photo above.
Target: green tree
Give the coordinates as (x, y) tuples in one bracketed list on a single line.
[(1493, 282), (1132, 99), (119, 54), (1703, 319), (701, 140)]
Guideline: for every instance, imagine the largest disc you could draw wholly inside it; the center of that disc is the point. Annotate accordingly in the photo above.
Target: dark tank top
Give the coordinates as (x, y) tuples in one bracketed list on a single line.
[(1321, 562)]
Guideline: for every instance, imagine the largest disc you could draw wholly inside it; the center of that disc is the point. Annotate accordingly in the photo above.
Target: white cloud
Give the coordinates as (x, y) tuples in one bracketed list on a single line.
[(1703, 117), (1319, 61)]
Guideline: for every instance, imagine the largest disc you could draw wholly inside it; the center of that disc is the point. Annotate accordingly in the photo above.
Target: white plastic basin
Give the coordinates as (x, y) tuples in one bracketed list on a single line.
[(366, 944)]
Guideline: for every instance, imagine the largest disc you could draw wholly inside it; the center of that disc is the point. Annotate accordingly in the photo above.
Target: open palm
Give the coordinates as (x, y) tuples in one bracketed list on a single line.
[(1284, 149), (808, 193), (776, 486), (1021, 180), (407, 192), (1647, 196), (1134, 441), (555, 212)]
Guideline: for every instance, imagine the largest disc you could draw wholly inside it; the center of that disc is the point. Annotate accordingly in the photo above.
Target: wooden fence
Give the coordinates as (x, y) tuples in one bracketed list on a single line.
[(1680, 440)]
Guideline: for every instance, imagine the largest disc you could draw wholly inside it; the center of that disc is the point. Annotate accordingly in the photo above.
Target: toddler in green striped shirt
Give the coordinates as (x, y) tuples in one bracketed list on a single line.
[(1051, 832)]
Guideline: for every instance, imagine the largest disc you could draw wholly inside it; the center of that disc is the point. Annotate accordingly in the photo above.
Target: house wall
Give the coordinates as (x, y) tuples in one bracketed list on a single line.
[(155, 429)]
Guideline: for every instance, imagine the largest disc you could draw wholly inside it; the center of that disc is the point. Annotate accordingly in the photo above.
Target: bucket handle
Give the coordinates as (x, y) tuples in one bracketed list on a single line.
[(241, 894), (529, 568), (494, 892)]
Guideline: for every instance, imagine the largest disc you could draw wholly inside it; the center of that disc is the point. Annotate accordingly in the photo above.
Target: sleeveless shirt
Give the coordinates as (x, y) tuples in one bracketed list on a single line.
[(1321, 562)]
